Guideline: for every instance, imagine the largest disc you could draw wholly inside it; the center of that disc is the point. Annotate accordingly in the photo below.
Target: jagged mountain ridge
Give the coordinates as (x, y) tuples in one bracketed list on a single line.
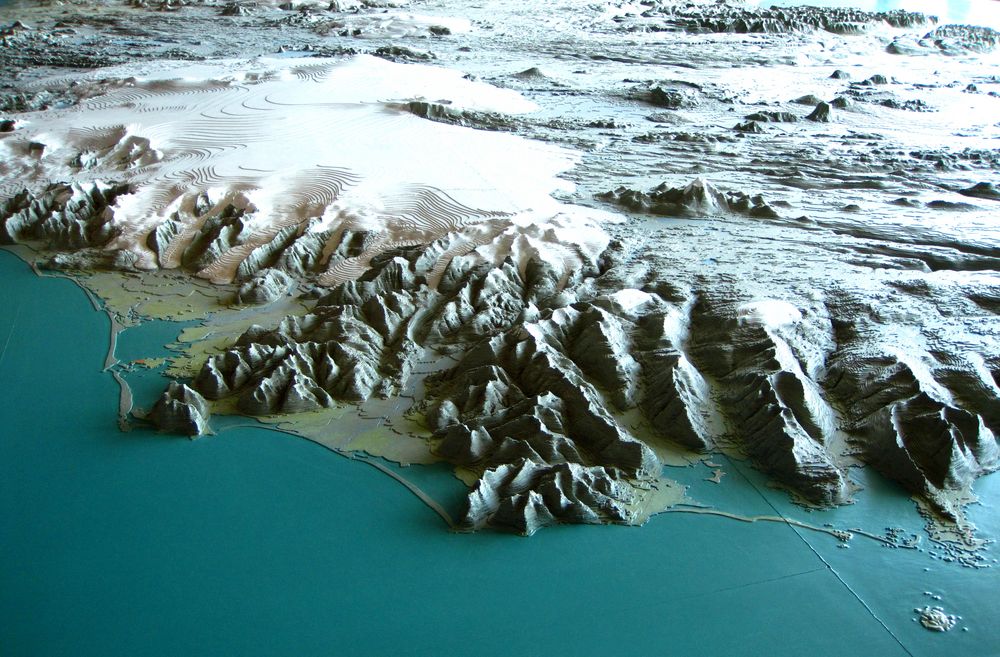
[(546, 374), (550, 359)]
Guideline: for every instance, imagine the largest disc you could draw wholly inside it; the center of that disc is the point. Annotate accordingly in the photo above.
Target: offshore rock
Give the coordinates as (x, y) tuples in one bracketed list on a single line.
[(237, 9)]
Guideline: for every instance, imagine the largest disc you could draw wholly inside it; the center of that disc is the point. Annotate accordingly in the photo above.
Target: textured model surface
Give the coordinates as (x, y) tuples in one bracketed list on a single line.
[(557, 247)]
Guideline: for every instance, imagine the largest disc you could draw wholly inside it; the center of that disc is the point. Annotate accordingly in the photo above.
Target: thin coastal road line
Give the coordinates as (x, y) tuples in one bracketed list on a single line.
[(833, 571), (10, 333)]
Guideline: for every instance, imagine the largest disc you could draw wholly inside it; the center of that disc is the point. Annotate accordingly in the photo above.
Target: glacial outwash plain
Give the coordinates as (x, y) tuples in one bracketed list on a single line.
[(571, 250)]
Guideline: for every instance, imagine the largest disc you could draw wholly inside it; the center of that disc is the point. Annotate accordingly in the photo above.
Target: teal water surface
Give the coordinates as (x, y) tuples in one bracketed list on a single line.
[(253, 542)]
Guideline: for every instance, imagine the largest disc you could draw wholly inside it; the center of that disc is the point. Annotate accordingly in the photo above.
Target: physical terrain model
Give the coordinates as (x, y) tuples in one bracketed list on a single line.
[(565, 248)]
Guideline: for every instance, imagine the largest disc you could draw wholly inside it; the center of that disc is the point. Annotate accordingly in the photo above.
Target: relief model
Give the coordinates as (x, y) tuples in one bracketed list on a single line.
[(558, 246)]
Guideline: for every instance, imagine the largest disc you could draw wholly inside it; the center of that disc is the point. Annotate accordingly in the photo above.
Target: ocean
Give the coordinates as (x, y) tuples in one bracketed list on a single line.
[(254, 542)]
